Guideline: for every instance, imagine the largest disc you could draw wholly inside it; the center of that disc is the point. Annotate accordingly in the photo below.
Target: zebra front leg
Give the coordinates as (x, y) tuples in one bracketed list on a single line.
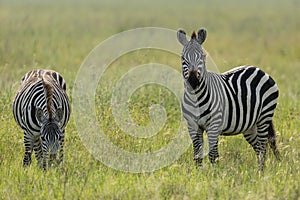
[(45, 155), (197, 139), (38, 150), (45, 158), (213, 145), (28, 150)]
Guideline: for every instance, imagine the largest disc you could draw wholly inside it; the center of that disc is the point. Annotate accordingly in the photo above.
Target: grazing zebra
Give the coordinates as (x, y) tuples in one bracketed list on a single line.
[(241, 100), (41, 108)]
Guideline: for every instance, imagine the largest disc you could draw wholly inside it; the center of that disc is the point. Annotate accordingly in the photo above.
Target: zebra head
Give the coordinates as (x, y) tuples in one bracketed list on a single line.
[(51, 132), (193, 57)]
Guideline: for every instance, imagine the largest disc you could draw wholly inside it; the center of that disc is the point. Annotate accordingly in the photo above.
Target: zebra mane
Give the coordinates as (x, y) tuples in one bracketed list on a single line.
[(49, 96)]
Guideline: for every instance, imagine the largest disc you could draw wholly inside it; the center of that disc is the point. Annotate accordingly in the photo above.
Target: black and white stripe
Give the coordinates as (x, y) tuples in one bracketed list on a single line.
[(41, 108), (242, 100)]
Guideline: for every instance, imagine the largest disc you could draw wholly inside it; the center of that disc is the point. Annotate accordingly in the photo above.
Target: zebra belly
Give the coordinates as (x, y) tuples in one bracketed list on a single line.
[(229, 134)]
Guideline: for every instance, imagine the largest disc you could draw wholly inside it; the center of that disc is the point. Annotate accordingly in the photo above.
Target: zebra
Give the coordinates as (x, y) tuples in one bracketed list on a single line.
[(242, 100), (41, 108)]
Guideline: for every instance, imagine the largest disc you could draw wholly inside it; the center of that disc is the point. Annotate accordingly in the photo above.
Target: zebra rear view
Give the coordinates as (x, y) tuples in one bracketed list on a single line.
[(41, 108), (242, 100)]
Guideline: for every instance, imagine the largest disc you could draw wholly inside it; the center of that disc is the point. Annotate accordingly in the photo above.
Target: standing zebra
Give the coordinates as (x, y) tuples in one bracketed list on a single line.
[(241, 100), (41, 108)]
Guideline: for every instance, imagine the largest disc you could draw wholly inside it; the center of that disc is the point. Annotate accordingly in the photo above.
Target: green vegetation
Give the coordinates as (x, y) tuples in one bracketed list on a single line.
[(59, 35)]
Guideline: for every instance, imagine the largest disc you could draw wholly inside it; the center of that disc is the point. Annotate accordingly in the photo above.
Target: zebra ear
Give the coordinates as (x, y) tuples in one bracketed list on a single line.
[(201, 35), (59, 114), (39, 114), (181, 36)]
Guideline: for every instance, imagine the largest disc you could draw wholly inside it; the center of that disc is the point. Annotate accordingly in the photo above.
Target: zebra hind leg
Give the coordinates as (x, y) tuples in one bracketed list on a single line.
[(272, 141), (257, 142), (251, 136), (260, 147)]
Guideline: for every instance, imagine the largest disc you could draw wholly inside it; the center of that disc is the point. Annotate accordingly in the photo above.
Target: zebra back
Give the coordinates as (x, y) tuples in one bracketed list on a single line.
[(45, 89)]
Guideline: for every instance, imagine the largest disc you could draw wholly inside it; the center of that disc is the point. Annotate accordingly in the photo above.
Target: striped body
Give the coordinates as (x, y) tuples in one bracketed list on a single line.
[(242, 100), (233, 102), (41, 108)]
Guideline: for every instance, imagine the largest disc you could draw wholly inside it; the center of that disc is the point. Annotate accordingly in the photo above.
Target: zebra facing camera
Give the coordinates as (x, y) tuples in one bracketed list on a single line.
[(241, 100)]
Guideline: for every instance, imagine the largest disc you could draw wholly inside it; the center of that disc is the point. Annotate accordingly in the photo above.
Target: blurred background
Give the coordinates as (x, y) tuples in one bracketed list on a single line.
[(59, 34)]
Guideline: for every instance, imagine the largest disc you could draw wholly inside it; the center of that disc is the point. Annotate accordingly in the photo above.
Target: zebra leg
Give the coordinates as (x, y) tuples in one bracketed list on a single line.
[(272, 140), (213, 145), (28, 150), (260, 147), (45, 155), (38, 150), (44, 160), (197, 139), (251, 136)]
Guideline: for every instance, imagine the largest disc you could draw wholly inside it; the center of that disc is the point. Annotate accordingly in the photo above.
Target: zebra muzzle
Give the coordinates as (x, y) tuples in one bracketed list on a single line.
[(193, 79), (52, 157), (194, 73)]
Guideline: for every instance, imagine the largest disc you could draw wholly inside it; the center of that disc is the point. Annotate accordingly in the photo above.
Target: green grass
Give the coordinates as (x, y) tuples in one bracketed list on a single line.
[(59, 35)]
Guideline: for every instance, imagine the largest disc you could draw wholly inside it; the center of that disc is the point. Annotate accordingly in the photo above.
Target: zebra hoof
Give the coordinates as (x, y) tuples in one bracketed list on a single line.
[(26, 164), (198, 162)]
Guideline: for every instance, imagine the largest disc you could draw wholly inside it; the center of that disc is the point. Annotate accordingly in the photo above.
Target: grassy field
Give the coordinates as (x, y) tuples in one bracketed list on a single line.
[(59, 34)]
